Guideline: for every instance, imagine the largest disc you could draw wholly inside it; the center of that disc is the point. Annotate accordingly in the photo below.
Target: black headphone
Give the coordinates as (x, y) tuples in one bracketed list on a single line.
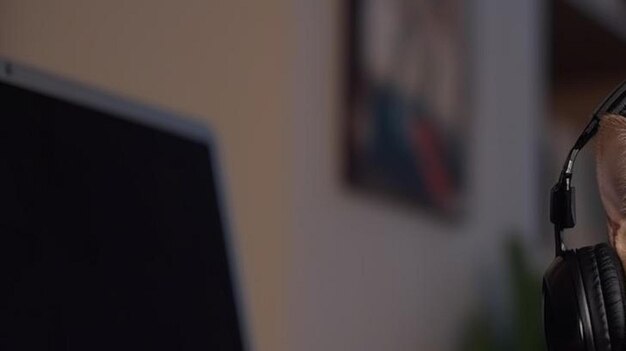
[(583, 289)]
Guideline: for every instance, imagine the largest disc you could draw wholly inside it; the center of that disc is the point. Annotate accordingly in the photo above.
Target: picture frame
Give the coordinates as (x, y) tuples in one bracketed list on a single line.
[(406, 119)]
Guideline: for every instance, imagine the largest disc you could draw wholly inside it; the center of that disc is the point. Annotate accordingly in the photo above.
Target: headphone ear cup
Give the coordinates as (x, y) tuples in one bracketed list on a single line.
[(612, 280), (603, 276)]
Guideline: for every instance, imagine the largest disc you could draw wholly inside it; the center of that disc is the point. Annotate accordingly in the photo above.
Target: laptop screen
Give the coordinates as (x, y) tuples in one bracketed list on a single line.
[(110, 234)]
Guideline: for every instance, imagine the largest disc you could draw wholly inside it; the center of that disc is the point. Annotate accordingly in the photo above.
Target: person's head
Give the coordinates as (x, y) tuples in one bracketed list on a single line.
[(611, 175)]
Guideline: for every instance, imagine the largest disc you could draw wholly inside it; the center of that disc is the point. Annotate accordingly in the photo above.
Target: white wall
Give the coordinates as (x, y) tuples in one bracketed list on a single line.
[(377, 276)]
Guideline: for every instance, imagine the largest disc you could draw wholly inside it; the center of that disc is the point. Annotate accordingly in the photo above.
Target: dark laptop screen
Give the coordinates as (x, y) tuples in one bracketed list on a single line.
[(110, 234)]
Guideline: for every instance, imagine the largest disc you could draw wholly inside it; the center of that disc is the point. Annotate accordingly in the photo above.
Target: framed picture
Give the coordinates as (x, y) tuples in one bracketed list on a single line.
[(406, 118)]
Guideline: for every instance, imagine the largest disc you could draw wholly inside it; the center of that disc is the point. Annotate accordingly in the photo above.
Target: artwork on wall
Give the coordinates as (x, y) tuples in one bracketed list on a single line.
[(406, 117)]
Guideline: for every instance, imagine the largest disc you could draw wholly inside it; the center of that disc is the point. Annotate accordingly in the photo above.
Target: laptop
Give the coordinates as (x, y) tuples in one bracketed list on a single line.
[(113, 229)]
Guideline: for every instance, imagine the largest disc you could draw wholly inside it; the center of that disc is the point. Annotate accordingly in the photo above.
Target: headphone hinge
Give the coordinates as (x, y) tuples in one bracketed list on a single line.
[(562, 205)]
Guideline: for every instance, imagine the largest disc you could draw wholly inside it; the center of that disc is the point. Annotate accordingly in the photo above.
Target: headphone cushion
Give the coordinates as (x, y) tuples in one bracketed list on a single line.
[(602, 278), (593, 290), (611, 278)]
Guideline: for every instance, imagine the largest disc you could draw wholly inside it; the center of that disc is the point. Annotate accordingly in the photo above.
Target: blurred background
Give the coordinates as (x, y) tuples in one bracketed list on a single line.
[(388, 162)]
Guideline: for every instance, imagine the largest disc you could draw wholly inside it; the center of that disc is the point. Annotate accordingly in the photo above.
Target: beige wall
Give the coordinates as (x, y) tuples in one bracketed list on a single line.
[(222, 61)]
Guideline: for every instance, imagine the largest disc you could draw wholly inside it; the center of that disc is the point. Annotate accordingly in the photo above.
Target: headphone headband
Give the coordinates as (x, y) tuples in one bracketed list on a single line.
[(562, 198)]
